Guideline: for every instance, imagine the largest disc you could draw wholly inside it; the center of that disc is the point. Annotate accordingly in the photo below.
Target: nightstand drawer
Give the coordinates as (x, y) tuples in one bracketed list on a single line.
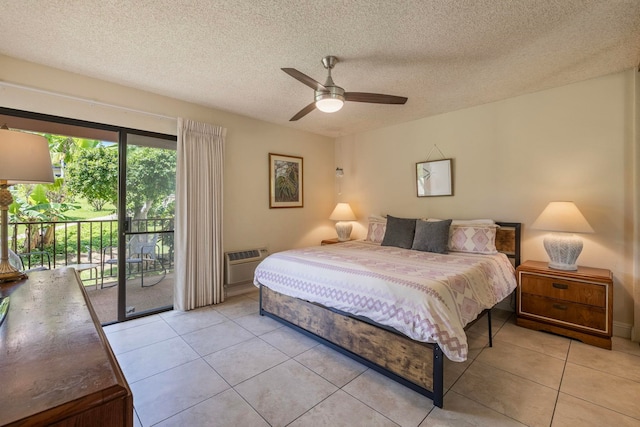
[(578, 315), (567, 290)]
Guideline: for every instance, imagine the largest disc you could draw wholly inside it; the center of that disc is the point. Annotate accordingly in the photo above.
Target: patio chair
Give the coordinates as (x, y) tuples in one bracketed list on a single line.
[(16, 262), (26, 258), (141, 258)]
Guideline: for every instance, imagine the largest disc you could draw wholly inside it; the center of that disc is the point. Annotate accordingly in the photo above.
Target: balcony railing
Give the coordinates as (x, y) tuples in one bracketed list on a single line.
[(60, 243)]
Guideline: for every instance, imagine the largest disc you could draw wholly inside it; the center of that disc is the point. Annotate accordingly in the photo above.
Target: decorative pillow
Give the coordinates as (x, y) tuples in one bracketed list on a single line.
[(400, 232), (377, 228), (431, 236), (474, 238)]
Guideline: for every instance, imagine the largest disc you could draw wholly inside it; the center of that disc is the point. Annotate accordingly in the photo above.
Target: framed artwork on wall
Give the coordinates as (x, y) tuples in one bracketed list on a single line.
[(434, 178), (285, 181)]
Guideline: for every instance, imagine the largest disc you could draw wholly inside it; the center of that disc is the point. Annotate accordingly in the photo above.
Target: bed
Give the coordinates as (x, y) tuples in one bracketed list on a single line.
[(397, 310)]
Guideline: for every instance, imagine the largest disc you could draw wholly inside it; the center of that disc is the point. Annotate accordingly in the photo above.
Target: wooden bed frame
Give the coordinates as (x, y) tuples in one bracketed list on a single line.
[(415, 364)]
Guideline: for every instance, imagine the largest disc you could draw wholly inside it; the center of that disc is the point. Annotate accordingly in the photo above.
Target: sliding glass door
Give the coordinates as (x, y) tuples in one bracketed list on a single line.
[(110, 214), (146, 217)]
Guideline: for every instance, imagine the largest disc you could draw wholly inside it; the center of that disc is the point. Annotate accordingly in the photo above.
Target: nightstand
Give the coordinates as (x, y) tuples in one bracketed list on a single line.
[(331, 241), (576, 304)]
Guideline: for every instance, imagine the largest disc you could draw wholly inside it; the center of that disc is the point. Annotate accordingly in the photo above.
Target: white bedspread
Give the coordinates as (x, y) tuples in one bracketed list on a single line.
[(428, 297)]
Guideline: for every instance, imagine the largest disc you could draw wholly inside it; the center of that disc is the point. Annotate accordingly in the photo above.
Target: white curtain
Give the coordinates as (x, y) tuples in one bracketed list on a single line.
[(198, 228)]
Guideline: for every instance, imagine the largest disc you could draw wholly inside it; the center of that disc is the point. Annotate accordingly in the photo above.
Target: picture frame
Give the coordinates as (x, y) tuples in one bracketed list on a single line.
[(286, 181), (434, 178)]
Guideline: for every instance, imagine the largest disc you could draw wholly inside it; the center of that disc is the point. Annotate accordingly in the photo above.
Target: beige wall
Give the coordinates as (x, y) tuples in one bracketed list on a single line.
[(248, 220), (510, 159)]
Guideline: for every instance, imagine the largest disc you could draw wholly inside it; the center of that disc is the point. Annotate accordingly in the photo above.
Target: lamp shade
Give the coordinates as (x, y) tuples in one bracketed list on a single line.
[(562, 217), (24, 158), (342, 212)]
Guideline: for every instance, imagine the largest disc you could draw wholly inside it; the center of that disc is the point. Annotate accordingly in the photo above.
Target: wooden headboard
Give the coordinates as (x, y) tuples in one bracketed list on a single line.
[(508, 240)]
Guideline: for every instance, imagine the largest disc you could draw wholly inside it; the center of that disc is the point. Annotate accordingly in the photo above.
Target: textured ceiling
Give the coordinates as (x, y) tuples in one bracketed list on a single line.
[(443, 55)]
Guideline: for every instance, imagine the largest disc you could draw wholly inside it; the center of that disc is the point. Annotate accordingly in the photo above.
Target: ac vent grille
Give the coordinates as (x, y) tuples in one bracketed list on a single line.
[(235, 256), (240, 265)]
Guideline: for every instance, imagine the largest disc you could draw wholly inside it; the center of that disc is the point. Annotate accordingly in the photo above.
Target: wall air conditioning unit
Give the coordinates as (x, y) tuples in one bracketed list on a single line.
[(239, 267)]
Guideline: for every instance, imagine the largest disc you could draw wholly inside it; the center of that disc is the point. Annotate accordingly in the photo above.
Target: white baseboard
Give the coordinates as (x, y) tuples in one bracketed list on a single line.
[(622, 330)]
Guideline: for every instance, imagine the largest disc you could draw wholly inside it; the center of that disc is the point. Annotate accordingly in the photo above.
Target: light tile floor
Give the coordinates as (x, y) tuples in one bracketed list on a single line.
[(228, 366)]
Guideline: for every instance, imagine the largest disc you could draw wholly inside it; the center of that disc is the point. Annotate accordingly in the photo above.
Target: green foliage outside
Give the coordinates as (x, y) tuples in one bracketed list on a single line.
[(89, 174), (94, 175), (151, 179)]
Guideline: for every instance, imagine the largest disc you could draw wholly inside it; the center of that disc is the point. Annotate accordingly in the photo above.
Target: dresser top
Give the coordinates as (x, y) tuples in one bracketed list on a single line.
[(53, 353)]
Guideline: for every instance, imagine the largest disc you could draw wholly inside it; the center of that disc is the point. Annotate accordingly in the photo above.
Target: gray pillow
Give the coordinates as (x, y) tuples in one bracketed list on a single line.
[(432, 236), (400, 232)]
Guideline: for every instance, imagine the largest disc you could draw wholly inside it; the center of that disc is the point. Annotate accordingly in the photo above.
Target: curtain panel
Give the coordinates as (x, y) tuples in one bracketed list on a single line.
[(198, 228)]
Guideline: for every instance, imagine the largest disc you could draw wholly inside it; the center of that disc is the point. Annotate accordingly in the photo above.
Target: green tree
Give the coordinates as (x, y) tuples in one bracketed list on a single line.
[(151, 180), (93, 174), (64, 148), (30, 204)]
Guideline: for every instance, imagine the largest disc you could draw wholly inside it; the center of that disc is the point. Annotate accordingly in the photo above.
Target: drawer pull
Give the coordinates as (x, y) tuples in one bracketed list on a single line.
[(559, 306), (560, 286)]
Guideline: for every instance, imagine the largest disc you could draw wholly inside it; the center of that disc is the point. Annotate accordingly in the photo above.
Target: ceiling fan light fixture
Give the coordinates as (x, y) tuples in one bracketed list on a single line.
[(329, 104), (331, 101)]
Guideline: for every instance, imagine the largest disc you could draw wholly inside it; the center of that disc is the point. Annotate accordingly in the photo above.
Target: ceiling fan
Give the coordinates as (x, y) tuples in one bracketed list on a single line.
[(329, 98)]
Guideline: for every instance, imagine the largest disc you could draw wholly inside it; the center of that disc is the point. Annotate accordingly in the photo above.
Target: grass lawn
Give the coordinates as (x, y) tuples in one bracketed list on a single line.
[(86, 211)]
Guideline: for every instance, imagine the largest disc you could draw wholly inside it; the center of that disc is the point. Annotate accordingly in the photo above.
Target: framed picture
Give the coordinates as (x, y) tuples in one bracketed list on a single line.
[(285, 181), (434, 178)]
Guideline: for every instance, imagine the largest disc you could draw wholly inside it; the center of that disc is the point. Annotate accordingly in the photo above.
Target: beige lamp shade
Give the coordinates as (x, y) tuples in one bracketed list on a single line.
[(563, 247), (343, 213), (563, 217), (24, 158)]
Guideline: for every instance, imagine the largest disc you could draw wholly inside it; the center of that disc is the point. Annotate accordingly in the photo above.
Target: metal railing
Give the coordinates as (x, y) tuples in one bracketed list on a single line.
[(55, 244)]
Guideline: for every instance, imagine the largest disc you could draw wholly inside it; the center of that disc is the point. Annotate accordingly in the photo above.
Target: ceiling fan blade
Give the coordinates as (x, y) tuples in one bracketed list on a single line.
[(376, 98), (301, 77), (306, 110)]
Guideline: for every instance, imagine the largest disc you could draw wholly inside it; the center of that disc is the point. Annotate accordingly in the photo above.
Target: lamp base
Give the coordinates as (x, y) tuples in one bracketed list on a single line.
[(10, 274), (12, 277), (344, 230), (563, 251)]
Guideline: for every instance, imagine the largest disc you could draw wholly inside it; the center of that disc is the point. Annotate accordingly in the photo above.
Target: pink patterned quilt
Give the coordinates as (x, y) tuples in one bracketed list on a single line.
[(428, 297)]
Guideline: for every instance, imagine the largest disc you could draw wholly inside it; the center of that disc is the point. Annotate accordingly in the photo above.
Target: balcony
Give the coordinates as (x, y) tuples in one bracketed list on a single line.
[(90, 246)]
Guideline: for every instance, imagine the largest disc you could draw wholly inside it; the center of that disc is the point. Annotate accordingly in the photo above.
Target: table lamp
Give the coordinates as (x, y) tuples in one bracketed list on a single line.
[(343, 213), (562, 246), (24, 159)]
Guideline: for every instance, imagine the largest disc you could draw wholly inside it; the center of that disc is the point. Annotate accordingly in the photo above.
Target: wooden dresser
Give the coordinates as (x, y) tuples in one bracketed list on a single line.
[(577, 304), (56, 366)]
